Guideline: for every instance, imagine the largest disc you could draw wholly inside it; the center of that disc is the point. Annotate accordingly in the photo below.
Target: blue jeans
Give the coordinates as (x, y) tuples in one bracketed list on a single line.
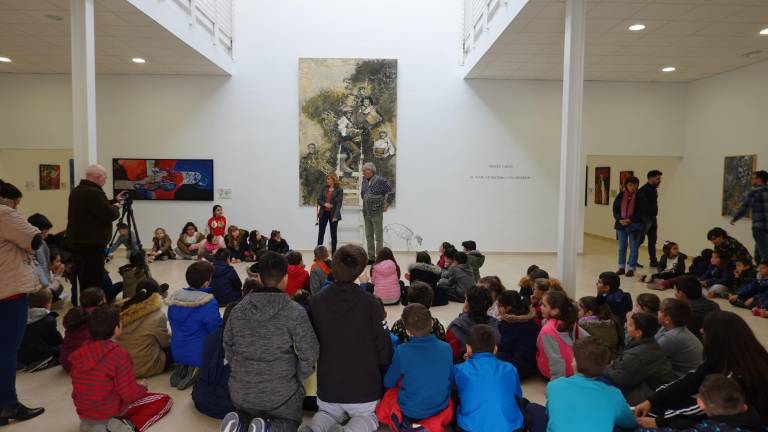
[(761, 244), (13, 323), (633, 239)]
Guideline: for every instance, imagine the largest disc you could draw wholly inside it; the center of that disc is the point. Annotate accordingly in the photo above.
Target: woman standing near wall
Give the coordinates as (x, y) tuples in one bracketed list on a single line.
[(329, 209), (629, 225), (18, 240)]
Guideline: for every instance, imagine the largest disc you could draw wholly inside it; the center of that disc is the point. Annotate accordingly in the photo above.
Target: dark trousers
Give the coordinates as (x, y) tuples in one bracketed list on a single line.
[(285, 418), (325, 218), (651, 229), (761, 244), (89, 265), (13, 323)]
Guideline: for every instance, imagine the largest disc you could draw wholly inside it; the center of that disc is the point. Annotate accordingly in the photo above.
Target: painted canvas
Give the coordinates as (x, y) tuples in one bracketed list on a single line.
[(164, 179), (602, 185), (623, 176), (348, 117), (50, 177), (737, 175)]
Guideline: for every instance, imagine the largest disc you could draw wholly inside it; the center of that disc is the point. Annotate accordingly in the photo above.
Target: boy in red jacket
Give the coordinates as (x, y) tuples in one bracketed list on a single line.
[(104, 390), (298, 276)]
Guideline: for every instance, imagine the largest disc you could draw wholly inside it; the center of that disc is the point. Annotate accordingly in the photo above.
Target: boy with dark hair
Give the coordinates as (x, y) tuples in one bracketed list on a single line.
[(688, 289), (419, 378), (43, 258), (193, 314), (320, 270), (457, 279), (754, 295), (488, 388), (744, 273), (682, 348), (42, 341), (298, 277), (571, 401), (419, 293), (226, 285), (609, 292), (131, 245), (272, 349), (727, 245), (349, 379), (474, 258), (642, 367), (104, 390)]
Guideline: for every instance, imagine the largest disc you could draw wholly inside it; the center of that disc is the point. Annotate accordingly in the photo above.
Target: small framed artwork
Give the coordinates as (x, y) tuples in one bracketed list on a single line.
[(50, 177), (623, 176), (602, 185)]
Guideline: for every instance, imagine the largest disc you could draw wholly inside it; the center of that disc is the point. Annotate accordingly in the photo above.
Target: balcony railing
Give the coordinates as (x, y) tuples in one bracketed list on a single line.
[(214, 16)]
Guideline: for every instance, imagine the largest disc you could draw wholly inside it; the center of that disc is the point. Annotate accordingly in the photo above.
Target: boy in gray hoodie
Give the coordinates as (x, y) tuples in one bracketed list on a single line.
[(458, 278), (271, 348)]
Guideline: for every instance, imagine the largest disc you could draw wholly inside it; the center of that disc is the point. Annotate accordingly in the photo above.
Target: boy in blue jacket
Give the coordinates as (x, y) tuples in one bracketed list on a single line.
[(756, 293), (488, 388), (193, 314), (571, 401), (609, 292), (226, 285), (419, 378)]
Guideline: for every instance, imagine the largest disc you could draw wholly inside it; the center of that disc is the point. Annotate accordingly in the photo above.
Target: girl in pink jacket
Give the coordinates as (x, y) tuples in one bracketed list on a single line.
[(385, 276), (554, 355)]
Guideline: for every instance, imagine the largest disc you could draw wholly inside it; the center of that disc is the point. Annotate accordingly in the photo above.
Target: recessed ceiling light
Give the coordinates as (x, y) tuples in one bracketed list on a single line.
[(5, 60), (764, 31), (53, 17), (669, 69), (138, 60), (637, 27)]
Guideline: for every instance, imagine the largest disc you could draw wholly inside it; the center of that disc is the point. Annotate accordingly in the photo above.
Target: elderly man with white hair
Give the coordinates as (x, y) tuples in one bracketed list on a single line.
[(375, 193), (89, 227)]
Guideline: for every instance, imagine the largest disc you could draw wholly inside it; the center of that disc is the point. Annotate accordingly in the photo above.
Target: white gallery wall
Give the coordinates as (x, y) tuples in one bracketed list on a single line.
[(448, 128)]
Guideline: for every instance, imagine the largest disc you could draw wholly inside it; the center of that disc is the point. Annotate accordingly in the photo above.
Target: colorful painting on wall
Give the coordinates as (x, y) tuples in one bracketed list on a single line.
[(737, 175), (623, 176), (602, 185), (348, 117), (164, 179), (50, 177)]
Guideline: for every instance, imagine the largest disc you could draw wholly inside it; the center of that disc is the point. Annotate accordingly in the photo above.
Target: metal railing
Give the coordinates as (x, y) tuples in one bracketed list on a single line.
[(215, 16), (477, 15)]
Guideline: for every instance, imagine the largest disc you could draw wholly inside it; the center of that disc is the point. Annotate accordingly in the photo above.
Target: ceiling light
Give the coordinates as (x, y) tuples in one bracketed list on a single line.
[(138, 60), (5, 60), (668, 69), (764, 31), (637, 27)]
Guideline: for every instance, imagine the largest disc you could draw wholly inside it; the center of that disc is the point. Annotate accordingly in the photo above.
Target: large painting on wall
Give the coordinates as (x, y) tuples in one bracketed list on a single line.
[(164, 179), (348, 116), (602, 185), (623, 176), (50, 177), (737, 175)]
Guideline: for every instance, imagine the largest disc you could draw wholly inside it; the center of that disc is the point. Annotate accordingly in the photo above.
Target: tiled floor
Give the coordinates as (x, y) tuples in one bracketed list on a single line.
[(51, 388)]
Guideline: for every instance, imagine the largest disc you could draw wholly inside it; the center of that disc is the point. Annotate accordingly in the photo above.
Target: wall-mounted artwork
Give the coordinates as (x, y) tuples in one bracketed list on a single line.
[(737, 175), (348, 117), (602, 185), (50, 177), (164, 179), (623, 176), (586, 187)]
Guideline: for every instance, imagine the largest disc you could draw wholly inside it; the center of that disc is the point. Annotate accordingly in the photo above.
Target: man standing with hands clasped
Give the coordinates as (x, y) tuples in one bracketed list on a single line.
[(648, 198), (757, 200), (375, 193)]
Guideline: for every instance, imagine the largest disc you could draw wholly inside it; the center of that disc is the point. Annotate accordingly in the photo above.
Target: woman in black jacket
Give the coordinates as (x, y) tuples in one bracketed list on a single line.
[(629, 225), (329, 204), (731, 349)]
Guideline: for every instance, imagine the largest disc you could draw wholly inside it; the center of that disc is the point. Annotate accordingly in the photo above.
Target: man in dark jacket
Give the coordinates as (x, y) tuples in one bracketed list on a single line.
[(355, 348), (89, 227), (648, 197)]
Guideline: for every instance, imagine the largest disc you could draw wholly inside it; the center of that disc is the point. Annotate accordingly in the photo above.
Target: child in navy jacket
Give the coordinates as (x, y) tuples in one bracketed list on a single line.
[(42, 341), (754, 294), (718, 279), (609, 292), (518, 334), (226, 285), (211, 391)]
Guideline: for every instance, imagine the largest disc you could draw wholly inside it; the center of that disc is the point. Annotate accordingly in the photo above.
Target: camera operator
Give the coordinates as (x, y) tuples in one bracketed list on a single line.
[(89, 227)]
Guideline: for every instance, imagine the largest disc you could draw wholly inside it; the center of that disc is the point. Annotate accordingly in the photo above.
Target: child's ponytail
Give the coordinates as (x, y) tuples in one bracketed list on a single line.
[(568, 313)]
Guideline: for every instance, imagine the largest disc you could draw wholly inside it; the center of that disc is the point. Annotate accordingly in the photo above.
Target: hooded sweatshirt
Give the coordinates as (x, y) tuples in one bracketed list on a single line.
[(103, 384), (75, 335), (475, 260), (386, 282), (458, 333), (430, 275), (271, 348), (458, 280), (355, 348), (41, 338), (193, 314), (298, 279), (211, 391), (144, 335), (518, 344), (226, 285)]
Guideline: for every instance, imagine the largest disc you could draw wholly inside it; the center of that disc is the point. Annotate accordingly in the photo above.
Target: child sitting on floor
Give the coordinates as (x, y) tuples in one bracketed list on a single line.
[(526, 282), (599, 322), (237, 244), (277, 243), (162, 247), (648, 303), (257, 245), (458, 278), (754, 295), (518, 334), (743, 273), (609, 292), (385, 276), (74, 322), (193, 314), (420, 293), (124, 238), (688, 288), (475, 259), (226, 285), (700, 263), (682, 348), (419, 378), (42, 341), (43, 258), (540, 287), (320, 269), (642, 367), (144, 330), (488, 388), (424, 271), (718, 279), (132, 273), (475, 312), (671, 265), (104, 389), (444, 247), (554, 356), (209, 248), (494, 285), (571, 401), (189, 242), (298, 277)]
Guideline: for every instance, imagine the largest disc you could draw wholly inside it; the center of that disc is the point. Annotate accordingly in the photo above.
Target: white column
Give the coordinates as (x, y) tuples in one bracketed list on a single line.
[(83, 85), (570, 206)]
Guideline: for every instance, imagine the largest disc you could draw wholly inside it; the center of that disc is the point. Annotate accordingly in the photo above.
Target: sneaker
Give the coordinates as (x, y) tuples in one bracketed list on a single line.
[(230, 423), (189, 379), (630, 273), (42, 364), (258, 425), (178, 373), (620, 272), (653, 264), (640, 265), (120, 425)]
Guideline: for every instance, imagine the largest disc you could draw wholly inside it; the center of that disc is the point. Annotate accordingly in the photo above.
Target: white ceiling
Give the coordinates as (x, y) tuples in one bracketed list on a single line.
[(698, 37), (37, 44)]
